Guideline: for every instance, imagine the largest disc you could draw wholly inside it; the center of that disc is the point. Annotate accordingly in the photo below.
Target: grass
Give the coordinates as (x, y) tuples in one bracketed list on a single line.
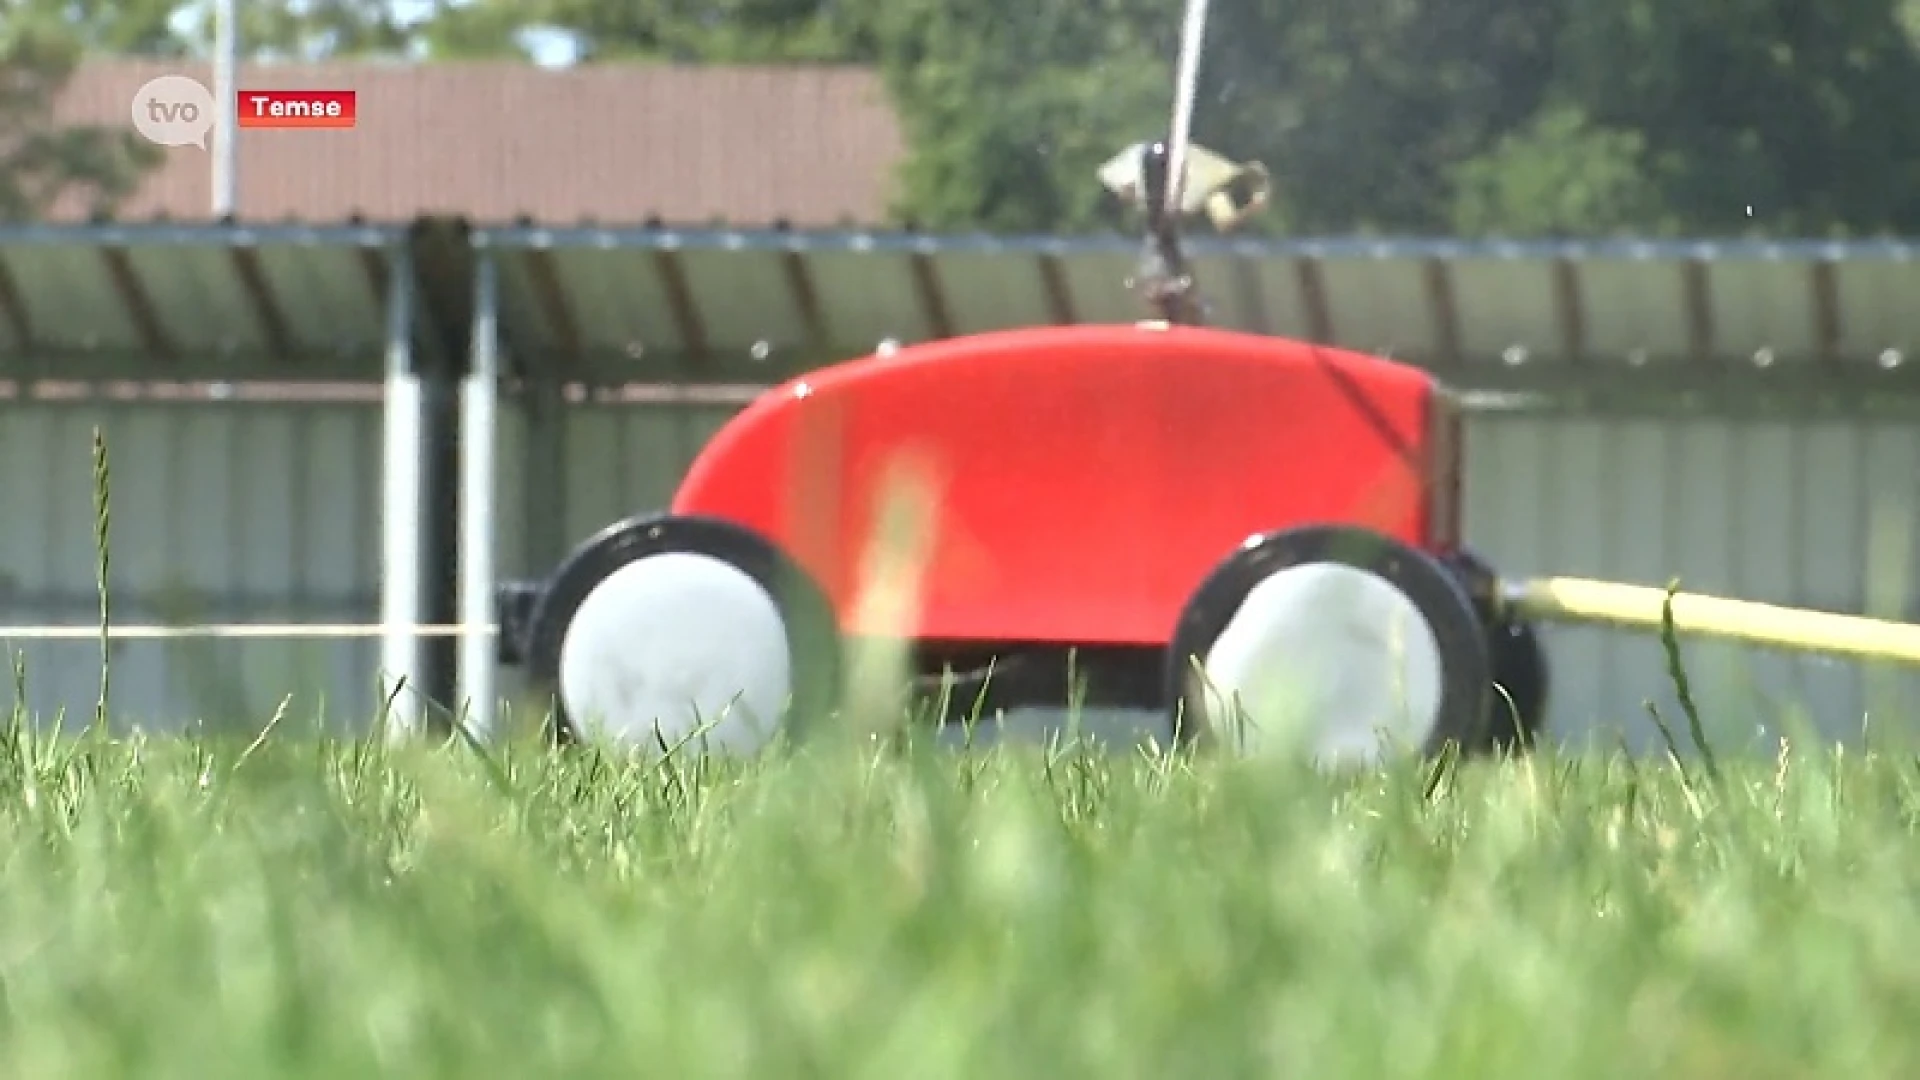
[(317, 908), (873, 907)]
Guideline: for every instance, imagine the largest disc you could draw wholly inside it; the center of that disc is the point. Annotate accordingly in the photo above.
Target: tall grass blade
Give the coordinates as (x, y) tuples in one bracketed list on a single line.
[(102, 564), (1682, 687)]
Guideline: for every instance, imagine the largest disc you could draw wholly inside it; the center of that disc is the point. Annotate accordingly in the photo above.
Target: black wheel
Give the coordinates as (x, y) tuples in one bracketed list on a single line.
[(1516, 711), (662, 628), (1520, 670), (1331, 633)]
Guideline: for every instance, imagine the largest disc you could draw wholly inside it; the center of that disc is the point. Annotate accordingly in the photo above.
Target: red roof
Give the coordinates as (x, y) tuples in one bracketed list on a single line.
[(613, 143)]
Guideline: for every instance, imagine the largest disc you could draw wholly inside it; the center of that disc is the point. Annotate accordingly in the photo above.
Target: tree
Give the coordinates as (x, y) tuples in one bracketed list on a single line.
[(1559, 175), (1009, 108), (42, 161), (113, 27), (1803, 112), (1523, 117), (1515, 116), (314, 30), (720, 31), (688, 31)]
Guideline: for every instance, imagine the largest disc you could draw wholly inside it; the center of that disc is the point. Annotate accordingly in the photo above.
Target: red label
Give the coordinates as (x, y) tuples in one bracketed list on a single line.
[(298, 108)]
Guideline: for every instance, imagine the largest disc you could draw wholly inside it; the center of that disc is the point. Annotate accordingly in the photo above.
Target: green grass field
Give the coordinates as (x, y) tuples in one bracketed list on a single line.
[(311, 908)]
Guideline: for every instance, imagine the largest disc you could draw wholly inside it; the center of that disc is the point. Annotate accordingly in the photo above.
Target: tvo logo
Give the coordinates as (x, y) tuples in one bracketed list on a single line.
[(174, 110)]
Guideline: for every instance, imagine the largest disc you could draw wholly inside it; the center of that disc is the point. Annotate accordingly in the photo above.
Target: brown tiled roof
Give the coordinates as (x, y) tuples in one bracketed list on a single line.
[(612, 143)]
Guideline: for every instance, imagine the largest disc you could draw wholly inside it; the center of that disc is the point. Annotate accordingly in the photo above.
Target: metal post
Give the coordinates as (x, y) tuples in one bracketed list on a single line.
[(403, 549), (1186, 86), (479, 432), (545, 455), (226, 131)]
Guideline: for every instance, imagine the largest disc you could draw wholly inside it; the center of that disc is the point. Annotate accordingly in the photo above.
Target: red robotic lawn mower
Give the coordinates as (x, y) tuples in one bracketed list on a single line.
[(1255, 538), (1244, 533), (1122, 500)]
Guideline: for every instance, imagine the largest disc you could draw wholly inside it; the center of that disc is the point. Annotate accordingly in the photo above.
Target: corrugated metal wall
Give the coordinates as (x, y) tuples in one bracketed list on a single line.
[(220, 512), (616, 460), (270, 512), (625, 459), (1809, 512)]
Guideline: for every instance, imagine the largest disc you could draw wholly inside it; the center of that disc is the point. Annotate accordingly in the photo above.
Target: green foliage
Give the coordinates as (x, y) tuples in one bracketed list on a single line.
[(41, 160), (1558, 176), (119, 27), (1363, 109), (1802, 111), (1009, 109), (724, 31), (1475, 116), (713, 31), (470, 31), (326, 29)]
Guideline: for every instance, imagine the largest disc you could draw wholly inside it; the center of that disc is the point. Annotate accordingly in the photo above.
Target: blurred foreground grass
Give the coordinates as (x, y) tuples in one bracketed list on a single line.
[(172, 908)]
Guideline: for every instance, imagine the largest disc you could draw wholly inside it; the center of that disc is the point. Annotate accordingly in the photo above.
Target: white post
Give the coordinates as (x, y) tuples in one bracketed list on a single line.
[(1193, 36), (479, 431), (403, 549), (226, 128)]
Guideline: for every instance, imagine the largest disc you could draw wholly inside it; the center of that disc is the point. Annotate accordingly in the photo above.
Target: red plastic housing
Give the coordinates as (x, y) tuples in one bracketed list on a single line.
[(1084, 479)]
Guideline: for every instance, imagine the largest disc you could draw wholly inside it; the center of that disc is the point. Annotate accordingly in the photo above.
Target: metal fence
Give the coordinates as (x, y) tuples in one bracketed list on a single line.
[(220, 512)]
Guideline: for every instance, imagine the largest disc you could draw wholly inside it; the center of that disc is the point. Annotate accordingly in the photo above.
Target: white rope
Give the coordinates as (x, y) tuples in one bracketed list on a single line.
[(256, 631)]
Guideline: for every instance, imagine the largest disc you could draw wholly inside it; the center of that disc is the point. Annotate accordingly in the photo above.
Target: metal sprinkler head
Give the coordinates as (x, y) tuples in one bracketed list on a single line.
[(1155, 163), (1163, 277), (1226, 192)]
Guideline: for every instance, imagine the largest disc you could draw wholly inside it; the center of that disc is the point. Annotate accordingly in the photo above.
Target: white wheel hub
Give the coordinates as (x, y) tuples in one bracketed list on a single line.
[(677, 643), (1328, 659)]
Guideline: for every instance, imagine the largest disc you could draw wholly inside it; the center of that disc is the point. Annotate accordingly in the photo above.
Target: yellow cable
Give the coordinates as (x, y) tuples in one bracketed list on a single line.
[(1609, 603)]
